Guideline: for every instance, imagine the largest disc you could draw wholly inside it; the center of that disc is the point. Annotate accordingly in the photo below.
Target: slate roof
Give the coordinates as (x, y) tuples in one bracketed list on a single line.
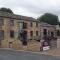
[(46, 25), (15, 16)]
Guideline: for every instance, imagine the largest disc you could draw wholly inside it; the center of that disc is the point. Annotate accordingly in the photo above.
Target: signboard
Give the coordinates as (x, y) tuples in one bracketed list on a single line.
[(46, 45), (46, 48)]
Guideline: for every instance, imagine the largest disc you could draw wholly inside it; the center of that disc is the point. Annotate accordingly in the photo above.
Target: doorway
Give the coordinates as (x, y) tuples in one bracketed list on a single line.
[(10, 45), (45, 32), (52, 34), (23, 36)]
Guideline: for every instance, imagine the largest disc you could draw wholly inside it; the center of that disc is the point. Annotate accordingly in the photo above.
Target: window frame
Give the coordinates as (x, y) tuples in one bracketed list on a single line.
[(36, 24), (12, 33), (1, 21), (24, 25), (37, 33), (31, 33), (11, 22), (31, 24), (2, 32)]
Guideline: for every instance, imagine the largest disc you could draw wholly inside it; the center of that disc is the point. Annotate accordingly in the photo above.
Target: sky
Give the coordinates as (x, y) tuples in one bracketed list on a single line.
[(32, 8)]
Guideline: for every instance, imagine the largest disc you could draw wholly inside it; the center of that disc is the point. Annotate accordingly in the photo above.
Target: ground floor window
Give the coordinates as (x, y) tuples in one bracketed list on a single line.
[(58, 33), (36, 33), (12, 34), (1, 35), (31, 33)]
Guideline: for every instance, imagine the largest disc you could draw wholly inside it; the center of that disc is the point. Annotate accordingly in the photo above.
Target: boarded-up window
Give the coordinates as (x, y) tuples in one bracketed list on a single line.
[(1, 35)]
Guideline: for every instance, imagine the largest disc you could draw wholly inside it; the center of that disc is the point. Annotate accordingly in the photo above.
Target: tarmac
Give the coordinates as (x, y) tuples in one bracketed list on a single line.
[(7, 54)]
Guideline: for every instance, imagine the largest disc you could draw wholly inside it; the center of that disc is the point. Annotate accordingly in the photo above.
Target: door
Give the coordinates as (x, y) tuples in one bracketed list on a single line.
[(52, 34), (10, 44), (24, 37), (44, 32)]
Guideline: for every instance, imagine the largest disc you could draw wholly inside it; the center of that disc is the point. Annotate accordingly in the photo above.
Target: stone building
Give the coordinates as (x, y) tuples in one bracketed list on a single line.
[(48, 34), (58, 31), (17, 30), (47, 29)]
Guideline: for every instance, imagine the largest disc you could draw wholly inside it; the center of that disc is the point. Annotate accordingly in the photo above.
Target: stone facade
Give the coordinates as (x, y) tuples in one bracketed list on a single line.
[(11, 29), (15, 24), (50, 29)]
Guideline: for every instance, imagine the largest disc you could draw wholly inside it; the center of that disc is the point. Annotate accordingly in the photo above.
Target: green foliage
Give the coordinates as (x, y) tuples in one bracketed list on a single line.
[(49, 18), (6, 10), (59, 24)]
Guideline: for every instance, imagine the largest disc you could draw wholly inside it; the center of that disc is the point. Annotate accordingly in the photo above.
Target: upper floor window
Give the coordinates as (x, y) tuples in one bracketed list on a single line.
[(31, 33), (1, 21), (36, 24), (11, 22), (20, 26), (31, 24), (36, 33), (24, 25), (1, 35)]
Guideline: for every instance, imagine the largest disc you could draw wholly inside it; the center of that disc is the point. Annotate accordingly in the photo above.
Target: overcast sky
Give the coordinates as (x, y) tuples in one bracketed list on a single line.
[(32, 8)]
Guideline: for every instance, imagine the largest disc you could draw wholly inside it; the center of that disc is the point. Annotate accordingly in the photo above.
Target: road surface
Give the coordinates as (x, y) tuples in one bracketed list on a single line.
[(20, 55)]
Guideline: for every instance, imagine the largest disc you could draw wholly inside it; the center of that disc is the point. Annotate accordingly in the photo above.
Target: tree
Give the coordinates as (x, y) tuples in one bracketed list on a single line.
[(49, 18), (6, 10), (59, 24)]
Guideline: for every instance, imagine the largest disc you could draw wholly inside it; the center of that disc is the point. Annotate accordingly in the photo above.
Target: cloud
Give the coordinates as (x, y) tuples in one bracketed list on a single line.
[(32, 8)]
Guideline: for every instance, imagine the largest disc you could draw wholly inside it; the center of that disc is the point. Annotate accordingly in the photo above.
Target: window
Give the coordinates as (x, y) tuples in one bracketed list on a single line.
[(24, 25), (11, 22), (1, 21), (20, 26), (31, 33), (31, 24), (1, 35), (36, 33), (58, 33), (36, 24), (52, 34), (12, 34), (45, 31), (10, 44)]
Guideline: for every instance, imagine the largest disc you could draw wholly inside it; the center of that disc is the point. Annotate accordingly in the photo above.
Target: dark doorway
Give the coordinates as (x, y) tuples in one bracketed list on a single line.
[(10, 44), (45, 32), (24, 37), (52, 34)]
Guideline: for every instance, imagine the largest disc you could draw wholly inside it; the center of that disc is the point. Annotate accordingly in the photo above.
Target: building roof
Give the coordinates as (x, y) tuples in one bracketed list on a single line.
[(15, 16), (46, 24)]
